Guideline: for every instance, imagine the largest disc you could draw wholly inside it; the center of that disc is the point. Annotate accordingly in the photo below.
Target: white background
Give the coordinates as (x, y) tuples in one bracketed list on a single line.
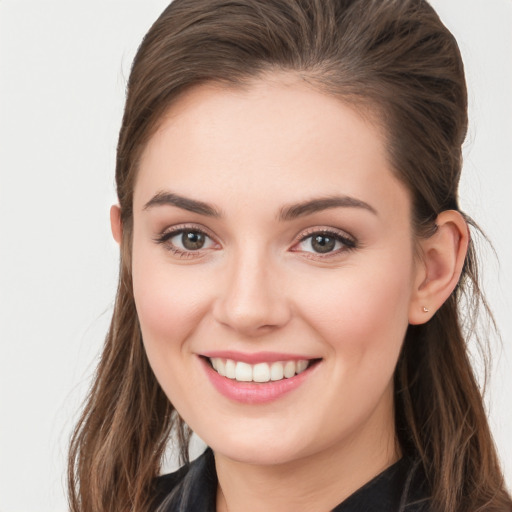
[(63, 69)]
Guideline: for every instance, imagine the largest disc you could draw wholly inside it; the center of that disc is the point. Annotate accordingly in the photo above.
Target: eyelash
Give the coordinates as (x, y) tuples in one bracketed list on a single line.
[(348, 243), (165, 237)]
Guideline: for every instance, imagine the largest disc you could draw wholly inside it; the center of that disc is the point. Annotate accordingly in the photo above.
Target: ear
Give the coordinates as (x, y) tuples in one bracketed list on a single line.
[(439, 266), (115, 223)]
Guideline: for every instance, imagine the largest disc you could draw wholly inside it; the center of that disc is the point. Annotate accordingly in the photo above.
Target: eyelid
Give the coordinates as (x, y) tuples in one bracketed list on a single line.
[(326, 230), (186, 226), (164, 237), (349, 242)]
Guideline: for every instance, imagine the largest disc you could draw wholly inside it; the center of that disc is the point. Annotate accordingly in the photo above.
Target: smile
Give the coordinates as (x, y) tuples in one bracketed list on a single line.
[(260, 378), (260, 372)]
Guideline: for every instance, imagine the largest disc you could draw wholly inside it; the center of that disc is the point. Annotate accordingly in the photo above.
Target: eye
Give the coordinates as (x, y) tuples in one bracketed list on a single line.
[(324, 242), (189, 240), (184, 241)]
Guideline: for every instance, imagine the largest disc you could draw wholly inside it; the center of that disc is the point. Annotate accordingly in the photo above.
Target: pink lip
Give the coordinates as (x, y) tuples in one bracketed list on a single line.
[(252, 392), (257, 357)]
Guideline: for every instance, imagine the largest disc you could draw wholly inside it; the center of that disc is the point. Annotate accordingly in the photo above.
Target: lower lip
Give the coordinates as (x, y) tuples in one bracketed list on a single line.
[(252, 392)]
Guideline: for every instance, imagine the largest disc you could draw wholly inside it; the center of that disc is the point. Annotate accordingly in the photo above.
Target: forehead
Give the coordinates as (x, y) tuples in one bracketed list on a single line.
[(275, 138)]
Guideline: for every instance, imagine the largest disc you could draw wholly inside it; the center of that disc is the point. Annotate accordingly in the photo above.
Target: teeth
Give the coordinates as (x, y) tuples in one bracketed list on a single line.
[(243, 372), (289, 369), (301, 366), (276, 371), (260, 372), (230, 369), (221, 367)]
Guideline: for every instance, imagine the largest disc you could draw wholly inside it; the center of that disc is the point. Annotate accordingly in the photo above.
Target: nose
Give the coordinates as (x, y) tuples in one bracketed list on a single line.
[(252, 299)]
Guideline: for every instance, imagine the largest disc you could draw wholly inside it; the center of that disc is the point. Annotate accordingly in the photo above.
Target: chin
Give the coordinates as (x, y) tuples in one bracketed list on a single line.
[(257, 455), (256, 450)]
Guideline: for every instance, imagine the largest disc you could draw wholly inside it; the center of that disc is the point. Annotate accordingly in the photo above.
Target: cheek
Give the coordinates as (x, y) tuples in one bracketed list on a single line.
[(362, 310), (168, 299), (169, 305)]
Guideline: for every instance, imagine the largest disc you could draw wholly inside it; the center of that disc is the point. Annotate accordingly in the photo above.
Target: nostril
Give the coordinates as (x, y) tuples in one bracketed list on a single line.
[(251, 317), (250, 299)]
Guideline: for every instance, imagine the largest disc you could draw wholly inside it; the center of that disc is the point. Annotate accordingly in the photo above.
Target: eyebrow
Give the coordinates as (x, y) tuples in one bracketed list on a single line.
[(191, 205), (316, 205), (287, 213)]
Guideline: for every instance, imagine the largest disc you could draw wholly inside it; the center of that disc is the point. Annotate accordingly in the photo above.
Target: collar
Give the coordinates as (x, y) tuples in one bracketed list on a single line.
[(399, 488)]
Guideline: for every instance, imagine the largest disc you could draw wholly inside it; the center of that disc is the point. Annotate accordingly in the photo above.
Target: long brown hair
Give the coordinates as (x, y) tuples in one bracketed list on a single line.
[(395, 58)]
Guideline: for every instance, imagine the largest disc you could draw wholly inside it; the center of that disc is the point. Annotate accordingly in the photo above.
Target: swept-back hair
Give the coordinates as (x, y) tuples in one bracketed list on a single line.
[(394, 58)]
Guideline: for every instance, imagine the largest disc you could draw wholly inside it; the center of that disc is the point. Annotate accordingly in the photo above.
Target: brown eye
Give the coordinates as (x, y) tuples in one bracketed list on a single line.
[(192, 240), (323, 243), (186, 241)]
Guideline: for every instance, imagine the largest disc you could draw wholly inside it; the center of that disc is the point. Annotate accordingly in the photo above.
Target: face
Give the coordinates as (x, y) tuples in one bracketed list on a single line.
[(273, 270)]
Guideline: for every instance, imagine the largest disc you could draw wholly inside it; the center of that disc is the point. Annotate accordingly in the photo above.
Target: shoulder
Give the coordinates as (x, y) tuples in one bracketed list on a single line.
[(400, 488), (416, 494)]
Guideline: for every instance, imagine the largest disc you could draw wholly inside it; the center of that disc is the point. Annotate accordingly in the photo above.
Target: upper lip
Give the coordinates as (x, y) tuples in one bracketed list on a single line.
[(256, 357)]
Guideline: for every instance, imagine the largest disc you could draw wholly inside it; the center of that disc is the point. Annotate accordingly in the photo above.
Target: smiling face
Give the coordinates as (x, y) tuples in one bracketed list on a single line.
[(272, 241)]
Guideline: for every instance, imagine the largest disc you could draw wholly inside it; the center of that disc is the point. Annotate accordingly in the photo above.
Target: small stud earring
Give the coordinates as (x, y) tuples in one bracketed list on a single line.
[(426, 310)]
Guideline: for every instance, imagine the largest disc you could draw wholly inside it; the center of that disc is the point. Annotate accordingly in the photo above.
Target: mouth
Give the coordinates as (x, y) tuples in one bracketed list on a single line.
[(272, 371), (258, 378)]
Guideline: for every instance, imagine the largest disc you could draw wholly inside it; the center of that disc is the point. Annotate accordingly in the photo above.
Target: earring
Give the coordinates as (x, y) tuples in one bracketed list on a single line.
[(426, 310)]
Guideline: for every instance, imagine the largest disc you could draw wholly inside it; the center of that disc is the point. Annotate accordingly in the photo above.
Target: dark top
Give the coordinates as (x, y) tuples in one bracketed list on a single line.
[(400, 488)]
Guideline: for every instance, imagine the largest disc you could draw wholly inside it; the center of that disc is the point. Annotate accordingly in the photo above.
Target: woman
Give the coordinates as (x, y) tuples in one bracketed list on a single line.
[(292, 262)]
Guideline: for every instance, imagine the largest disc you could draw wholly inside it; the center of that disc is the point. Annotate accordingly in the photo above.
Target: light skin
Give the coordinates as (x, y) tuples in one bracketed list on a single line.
[(242, 160)]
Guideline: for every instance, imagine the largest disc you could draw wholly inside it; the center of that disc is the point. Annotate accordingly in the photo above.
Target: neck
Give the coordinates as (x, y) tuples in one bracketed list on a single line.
[(314, 482)]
